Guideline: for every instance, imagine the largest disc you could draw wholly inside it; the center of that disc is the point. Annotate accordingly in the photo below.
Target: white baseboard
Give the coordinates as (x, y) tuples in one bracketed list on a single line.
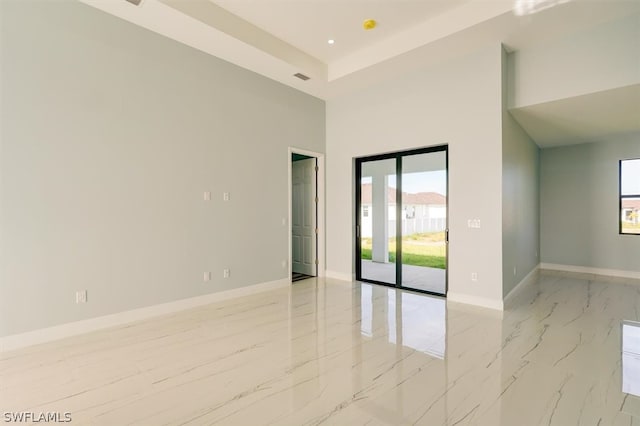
[(339, 276), (528, 279), (61, 331), (589, 270), (482, 302)]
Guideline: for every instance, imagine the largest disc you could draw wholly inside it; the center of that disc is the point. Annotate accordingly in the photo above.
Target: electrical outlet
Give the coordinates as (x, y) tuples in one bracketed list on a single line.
[(474, 276), (226, 196), (226, 273), (207, 276), (81, 296)]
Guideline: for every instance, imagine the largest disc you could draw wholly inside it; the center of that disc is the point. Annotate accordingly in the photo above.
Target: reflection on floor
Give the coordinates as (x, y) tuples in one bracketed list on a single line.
[(411, 320), (327, 351), (631, 358), (416, 277)]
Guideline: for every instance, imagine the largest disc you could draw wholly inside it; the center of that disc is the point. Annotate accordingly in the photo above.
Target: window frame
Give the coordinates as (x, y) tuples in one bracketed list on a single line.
[(622, 197)]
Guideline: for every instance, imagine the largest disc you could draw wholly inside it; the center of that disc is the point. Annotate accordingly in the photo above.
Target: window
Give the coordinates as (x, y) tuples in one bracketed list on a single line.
[(630, 196)]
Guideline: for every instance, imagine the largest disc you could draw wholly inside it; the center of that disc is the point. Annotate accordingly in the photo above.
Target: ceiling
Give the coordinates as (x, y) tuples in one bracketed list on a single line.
[(279, 38), (309, 24), (580, 119)]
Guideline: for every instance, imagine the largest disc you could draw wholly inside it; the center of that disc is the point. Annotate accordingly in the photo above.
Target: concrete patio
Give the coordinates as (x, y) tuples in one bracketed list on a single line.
[(413, 277)]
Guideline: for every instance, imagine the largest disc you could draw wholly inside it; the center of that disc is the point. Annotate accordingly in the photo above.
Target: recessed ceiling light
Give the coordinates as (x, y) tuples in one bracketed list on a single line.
[(331, 41)]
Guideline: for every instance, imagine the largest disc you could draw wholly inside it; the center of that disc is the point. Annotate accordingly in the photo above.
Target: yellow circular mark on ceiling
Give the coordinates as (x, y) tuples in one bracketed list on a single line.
[(369, 24)]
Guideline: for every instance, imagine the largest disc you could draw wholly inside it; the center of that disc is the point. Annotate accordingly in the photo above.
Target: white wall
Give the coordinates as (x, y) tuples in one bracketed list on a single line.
[(579, 213), (601, 58), (109, 136), (520, 198), (456, 103)]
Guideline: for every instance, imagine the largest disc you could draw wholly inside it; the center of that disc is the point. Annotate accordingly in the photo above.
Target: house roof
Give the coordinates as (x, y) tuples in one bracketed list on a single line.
[(631, 203), (421, 198)]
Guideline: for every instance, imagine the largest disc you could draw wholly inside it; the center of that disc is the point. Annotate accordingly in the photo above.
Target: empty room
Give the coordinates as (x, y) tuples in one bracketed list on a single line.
[(303, 212)]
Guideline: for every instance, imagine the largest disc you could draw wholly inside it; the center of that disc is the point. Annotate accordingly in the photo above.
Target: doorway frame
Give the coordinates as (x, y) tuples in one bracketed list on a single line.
[(320, 216), (398, 155)]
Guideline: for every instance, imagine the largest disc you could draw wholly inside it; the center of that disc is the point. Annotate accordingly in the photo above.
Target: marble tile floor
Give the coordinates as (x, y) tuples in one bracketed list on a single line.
[(331, 352)]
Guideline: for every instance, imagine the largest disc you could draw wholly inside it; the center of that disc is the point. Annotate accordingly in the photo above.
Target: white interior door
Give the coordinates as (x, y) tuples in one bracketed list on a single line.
[(303, 223)]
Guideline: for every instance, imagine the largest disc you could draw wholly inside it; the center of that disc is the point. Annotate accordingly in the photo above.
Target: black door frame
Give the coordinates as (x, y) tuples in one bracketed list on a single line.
[(358, 206)]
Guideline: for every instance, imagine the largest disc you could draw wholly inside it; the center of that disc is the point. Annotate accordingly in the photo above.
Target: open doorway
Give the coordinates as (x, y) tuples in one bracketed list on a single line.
[(305, 202)]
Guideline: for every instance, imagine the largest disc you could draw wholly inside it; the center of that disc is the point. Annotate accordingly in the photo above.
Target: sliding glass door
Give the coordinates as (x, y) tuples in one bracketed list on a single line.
[(401, 219)]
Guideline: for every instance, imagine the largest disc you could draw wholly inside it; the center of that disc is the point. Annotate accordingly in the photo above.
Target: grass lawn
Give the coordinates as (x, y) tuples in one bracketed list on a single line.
[(631, 228), (417, 250)]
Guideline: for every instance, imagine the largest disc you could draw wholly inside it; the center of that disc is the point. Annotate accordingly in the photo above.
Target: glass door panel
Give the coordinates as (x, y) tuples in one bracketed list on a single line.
[(424, 221), (377, 220)]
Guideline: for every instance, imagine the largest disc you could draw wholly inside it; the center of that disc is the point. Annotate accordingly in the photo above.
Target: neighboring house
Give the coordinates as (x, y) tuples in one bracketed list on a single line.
[(421, 212), (630, 211)]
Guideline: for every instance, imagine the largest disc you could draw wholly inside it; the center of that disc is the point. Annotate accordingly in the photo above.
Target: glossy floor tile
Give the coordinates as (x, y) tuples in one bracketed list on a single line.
[(330, 352)]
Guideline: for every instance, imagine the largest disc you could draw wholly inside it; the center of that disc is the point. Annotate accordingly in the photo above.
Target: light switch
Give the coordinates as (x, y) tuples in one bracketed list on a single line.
[(207, 195), (473, 223), (226, 196), (81, 296)]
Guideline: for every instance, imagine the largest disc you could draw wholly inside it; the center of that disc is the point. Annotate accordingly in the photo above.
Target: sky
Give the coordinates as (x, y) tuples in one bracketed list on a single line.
[(631, 177)]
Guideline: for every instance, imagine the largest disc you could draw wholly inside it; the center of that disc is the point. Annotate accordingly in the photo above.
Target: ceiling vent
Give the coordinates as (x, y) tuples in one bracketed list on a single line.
[(301, 76), (135, 2)]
